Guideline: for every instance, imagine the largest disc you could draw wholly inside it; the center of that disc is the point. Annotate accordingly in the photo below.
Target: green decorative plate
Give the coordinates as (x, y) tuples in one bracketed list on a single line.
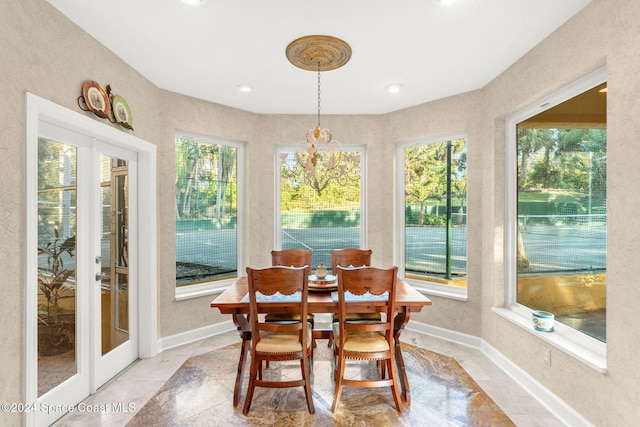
[(122, 112)]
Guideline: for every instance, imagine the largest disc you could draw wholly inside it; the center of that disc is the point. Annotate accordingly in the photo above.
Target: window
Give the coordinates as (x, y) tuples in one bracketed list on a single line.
[(207, 211), (331, 219), (433, 218), (557, 215)]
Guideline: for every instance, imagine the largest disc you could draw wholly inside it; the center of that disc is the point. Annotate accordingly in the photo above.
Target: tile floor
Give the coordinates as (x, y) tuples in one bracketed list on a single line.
[(142, 380), (442, 394)]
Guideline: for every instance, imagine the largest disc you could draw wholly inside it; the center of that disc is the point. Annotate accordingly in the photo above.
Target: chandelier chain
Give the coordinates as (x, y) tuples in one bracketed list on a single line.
[(318, 95), (320, 158)]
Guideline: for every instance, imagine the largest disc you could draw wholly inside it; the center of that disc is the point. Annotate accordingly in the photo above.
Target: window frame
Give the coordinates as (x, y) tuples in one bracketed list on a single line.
[(588, 350), (425, 286), (362, 149), (217, 286)]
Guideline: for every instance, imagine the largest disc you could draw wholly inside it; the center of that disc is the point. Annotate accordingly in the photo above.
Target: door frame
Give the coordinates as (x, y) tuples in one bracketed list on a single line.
[(41, 110)]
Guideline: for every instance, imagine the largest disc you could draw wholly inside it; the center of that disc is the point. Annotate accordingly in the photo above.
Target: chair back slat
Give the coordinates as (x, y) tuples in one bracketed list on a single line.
[(292, 257), (349, 257), (280, 327)]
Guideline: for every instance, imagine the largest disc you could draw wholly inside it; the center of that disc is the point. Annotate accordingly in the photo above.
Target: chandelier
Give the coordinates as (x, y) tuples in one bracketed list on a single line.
[(319, 156)]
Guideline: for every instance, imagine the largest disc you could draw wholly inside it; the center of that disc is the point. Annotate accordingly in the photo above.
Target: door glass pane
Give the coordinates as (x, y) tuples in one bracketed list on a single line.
[(114, 253), (56, 264), (121, 265)]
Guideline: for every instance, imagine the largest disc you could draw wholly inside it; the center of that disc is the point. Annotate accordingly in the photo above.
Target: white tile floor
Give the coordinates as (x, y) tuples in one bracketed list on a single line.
[(138, 383)]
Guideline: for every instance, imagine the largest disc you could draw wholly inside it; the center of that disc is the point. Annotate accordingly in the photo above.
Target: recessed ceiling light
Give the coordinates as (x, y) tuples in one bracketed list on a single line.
[(244, 87), (194, 2), (444, 2), (394, 87)]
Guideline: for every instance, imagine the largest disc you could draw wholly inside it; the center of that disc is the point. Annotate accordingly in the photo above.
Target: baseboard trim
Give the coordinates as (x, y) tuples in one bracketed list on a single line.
[(549, 400), (193, 335), (445, 334)]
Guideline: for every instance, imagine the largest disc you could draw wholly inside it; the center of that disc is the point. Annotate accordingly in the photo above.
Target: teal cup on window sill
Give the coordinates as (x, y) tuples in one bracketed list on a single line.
[(543, 320)]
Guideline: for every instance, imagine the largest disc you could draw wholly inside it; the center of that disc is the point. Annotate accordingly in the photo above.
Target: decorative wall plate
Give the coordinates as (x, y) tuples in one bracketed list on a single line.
[(96, 99), (121, 111)]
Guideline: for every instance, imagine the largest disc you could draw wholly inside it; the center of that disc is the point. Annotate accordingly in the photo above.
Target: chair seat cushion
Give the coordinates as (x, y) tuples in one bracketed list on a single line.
[(281, 342), (361, 341), (283, 317), (360, 316)]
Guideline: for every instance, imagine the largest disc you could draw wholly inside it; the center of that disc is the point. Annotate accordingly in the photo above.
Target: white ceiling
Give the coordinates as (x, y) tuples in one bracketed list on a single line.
[(207, 51)]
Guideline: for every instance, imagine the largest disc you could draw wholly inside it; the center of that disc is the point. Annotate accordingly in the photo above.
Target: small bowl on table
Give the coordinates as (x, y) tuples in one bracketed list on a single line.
[(321, 271), (543, 321)]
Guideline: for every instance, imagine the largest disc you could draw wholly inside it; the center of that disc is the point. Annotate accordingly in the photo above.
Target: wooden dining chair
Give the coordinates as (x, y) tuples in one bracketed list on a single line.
[(290, 258), (365, 340), (352, 257), (287, 258), (279, 341)]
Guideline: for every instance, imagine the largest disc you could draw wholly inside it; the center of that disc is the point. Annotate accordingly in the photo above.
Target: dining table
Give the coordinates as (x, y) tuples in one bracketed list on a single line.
[(322, 299)]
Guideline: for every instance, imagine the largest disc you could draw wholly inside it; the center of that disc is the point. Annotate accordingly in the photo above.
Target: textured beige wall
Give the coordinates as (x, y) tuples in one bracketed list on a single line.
[(261, 135), (45, 54), (604, 33), (448, 116), (274, 130), (202, 118)]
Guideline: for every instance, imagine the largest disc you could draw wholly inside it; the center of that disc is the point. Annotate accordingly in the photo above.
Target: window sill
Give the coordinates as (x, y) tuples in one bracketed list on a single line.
[(203, 289), (587, 350), (438, 290)]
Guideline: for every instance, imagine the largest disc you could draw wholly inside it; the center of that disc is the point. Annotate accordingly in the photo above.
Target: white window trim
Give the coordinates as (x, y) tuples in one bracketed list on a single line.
[(217, 286), (588, 350), (424, 286), (362, 149)]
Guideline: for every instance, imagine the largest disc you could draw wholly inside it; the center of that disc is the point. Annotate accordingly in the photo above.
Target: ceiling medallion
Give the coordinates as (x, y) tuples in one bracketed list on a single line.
[(318, 53), (319, 156)]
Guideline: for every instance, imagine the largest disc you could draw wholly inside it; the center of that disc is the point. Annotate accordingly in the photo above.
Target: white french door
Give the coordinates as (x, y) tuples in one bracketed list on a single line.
[(83, 287)]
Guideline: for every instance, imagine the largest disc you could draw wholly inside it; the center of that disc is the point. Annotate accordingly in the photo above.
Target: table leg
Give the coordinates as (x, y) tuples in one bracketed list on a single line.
[(400, 320), (242, 323)]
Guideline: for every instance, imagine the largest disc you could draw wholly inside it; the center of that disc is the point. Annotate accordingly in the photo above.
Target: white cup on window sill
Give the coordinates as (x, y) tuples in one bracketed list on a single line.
[(543, 320)]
